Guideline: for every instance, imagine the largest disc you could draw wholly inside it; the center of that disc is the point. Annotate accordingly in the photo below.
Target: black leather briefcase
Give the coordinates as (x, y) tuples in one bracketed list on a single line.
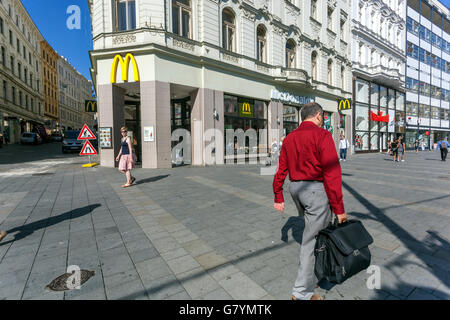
[(342, 251)]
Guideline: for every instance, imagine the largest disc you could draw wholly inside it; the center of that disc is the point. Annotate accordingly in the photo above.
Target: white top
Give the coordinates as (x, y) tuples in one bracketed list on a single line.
[(343, 144)]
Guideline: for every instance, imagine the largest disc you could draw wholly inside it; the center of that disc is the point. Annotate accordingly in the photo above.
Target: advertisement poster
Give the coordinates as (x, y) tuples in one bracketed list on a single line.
[(327, 122), (105, 137), (149, 135), (391, 125)]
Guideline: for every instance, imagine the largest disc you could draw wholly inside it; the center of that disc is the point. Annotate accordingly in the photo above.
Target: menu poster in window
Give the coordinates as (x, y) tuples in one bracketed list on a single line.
[(105, 137)]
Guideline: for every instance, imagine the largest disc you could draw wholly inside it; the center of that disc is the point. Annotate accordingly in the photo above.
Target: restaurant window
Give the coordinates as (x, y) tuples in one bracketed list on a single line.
[(181, 18), (228, 30), (314, 65), (290, 54), (125, 15), (290, 119), (245, 113), (262, 46)]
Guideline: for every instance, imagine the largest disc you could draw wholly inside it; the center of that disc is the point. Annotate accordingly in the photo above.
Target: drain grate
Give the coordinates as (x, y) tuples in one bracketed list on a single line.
[(60, 283), (43, 174)]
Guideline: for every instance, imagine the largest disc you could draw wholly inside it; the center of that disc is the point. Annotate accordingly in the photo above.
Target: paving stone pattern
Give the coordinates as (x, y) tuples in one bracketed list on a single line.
[(212, 233)]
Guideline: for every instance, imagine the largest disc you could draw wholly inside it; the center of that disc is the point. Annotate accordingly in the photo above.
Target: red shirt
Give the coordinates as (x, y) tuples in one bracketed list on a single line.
[(309, 153)]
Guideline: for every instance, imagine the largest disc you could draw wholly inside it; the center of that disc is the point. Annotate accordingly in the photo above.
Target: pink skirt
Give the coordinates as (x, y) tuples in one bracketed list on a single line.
[(126, 162)]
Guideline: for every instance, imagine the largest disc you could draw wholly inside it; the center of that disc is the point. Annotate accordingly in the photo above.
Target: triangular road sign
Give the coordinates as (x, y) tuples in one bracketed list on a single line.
[(86, 134), (88, 149)]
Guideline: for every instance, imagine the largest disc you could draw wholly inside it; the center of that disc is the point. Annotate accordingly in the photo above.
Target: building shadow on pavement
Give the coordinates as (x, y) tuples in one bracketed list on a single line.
[(152, 179), (27, 229), (422, 251)]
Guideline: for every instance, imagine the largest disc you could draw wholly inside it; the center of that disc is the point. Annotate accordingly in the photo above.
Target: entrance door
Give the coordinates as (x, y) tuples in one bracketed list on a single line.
[(133, 123), (180, 118)]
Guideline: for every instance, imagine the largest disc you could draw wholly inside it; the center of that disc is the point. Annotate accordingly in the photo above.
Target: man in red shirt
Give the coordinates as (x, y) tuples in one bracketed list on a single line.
[(310, 158)]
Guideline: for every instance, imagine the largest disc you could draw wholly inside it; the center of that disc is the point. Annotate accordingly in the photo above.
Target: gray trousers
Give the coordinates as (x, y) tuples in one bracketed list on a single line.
[(312, 204)]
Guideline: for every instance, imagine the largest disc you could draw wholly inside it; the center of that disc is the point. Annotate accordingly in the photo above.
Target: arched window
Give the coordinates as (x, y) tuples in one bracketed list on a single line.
[(181, 18), (262, 47), (290, 54), (330, 72), (314, 65), (228, 30)]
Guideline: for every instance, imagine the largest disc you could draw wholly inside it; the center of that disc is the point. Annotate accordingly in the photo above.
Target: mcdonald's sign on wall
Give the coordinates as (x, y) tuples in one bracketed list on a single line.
[(124, 67), (246, 108), (90, 106), (344, 104)]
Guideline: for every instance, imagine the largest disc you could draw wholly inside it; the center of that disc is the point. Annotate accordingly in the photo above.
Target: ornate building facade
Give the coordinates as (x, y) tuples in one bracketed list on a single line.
[(378, 58), (196, 64)]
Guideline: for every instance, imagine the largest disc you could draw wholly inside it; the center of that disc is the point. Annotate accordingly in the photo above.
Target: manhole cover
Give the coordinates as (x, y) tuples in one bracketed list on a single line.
[(60, 283), (43, 174)]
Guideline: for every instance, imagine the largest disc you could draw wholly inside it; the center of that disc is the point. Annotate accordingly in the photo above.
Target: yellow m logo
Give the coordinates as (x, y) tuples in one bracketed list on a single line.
[(124, 67), (91, 106), (344, 104), (246, 108)]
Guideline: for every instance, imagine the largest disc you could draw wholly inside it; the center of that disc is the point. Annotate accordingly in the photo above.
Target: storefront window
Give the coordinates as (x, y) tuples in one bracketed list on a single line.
[(361, 117), (400, 96), (290, 119), (374, 124), (374, 141), (400, 121), (245, 114), (362, 91), (374, 93), (391, 98), (383, 96), (361, 141), (383, 125)]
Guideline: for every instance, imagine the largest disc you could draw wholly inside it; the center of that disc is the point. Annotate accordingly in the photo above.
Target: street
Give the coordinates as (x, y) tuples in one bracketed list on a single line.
[(210, 232)]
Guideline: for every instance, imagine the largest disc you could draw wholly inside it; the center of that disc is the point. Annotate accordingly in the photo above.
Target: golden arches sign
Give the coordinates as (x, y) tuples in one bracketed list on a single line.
[(90, 106), (124, 64), (344, 104), (246, 108)]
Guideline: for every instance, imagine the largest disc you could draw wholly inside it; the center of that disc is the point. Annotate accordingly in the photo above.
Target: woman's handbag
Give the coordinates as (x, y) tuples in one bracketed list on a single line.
[(342, 251)]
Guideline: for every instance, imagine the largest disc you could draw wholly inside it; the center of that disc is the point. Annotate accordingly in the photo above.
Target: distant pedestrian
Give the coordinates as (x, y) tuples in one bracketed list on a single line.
[(309, 157), (443, 145), (395, 146), (388, 152), (126, 157), (416, 145), (403, 147), (343, 146), (2, 235), (422, 144)]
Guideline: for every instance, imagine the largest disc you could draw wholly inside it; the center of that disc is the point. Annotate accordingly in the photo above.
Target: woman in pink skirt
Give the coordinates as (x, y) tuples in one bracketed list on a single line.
[(126, 158)]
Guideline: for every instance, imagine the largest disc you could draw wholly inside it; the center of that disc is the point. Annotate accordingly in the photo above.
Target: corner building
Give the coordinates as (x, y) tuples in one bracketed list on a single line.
[(427, 72), (159, 66)]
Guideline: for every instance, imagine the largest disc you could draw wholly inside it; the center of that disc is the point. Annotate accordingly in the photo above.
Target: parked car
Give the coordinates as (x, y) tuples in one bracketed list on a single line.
[(70, 142), (56, 137), (30, 138)]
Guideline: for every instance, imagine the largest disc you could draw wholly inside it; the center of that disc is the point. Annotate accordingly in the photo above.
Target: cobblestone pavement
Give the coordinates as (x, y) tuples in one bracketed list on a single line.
[(210, 233)]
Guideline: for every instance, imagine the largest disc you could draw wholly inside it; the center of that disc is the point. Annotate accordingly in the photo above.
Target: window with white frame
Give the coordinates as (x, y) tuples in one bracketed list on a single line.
[(181, 18), (330, 18), (228, 30), (290, 54), (262, 43), (343, 77), (314, 65), (330, 72), (125, 15), (314, 9)]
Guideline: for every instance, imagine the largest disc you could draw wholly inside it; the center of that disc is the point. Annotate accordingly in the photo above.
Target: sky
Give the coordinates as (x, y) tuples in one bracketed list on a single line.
[(50, 17)]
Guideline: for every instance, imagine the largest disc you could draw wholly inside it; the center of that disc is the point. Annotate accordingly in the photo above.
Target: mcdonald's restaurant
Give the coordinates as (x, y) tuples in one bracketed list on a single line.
[(167, 101)]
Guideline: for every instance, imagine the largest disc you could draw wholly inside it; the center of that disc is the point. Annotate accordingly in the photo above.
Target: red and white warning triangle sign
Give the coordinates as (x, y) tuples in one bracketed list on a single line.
[(86, 134), (88, 149)]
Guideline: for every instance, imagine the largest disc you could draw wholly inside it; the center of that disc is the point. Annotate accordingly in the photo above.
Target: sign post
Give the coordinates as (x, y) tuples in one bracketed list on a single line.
[(88, 149)]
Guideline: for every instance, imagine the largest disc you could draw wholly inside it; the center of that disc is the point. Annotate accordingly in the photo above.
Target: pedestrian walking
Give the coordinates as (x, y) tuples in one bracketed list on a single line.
[(403, 147), (416, 145), (309, 157), (126, 157), (343, 146), (443, 145), (422, 144), (395, 146), (388, 152), (2, 235)]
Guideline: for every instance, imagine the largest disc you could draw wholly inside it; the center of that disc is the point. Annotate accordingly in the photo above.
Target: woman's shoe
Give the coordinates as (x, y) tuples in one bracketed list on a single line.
[(126, 185)]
